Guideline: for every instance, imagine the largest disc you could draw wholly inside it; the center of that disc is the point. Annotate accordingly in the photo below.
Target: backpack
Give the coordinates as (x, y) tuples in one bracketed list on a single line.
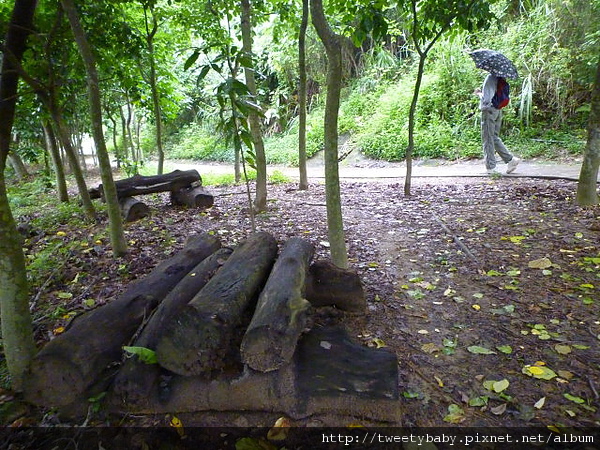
[(502, 96)]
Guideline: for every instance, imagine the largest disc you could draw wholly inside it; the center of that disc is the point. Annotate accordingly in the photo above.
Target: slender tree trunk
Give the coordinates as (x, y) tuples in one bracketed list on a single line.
[(117, 236), (150, 33), (59, 173), (587, 188), (18, 165), (411, 124), (17, 331), (335, 226), (260, 201), (65, 139), (302, 98)]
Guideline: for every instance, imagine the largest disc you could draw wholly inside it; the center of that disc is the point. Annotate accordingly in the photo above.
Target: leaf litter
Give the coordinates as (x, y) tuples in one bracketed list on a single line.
[(418, 283)]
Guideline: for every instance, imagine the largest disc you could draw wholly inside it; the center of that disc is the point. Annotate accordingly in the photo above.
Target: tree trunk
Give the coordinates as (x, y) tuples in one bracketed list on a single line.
[(193, 197), (57, 165), (18, 165), (303, 184), (76, 359), (335, 226), (117, 235), (133, 209), (198, 341), (260, 201), (328, 285), (17, 331), (136, 379), (139, 184), (411, 124), (280, 316), (150, 33), (587, 188)]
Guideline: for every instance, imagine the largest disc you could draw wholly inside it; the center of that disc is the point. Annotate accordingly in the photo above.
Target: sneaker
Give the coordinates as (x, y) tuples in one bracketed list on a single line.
[(512, 164)]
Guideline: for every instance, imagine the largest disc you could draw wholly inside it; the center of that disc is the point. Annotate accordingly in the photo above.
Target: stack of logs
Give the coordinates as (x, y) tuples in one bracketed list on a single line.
[(226, 331), (185, 187)]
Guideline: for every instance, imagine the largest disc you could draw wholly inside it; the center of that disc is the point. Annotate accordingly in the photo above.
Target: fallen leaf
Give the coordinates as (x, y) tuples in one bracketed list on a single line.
[(565, 374), (280, 430), (439, 381), (562, 349), (476, 307), (58, 330), (540, 403), (326, 345), (498, 410), (455, 414), (539, 372), (178, 425), (507, 349), (542, 263), (479, 401), (430, 348), (480, 350), (573, 398), (496, 386)]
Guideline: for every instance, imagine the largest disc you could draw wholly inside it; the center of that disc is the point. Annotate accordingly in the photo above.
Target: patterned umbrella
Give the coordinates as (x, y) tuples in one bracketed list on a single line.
[(494, 62)]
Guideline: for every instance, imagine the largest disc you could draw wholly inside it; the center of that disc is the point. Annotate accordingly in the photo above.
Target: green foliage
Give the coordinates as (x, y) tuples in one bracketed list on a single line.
[(197, 143)]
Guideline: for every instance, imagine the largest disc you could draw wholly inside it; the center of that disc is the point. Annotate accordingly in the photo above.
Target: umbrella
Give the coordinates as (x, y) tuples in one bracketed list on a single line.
[(494, 62)]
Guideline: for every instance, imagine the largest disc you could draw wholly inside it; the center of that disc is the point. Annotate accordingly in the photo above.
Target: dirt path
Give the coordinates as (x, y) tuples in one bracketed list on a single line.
[(361, 168)]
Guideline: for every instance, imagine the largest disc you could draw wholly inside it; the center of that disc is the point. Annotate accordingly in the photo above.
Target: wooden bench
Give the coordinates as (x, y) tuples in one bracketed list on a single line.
[(185, 187)]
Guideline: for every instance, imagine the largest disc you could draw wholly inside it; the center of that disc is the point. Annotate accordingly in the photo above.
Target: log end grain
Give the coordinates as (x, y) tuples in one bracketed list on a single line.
[(53, 381), (191, 344)]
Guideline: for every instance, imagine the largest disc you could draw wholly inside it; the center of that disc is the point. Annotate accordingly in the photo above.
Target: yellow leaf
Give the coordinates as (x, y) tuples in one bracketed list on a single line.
[(439, 381), (542, 263), (378, 343), (58, 330), (536, 370), (61, 233), (280, 430), (476, 307), (178, 425)]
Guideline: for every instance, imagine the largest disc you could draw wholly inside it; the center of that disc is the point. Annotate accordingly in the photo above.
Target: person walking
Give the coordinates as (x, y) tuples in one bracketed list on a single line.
[(491, 122), (494, 95)]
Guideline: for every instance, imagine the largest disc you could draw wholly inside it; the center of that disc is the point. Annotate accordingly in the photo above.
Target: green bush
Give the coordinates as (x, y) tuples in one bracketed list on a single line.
[(198, 143)]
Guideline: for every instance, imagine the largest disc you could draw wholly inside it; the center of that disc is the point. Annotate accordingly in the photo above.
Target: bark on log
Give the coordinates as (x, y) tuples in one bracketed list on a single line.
[(138, 184), (328, 285), (132, 209), (76, 359), (280, 316), (136, 380), (329, 374), (199, 338), (192, 197)]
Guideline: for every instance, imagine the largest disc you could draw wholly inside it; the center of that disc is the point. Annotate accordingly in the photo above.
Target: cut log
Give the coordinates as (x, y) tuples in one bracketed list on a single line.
[(76, 359), (329, 374), (139, 184), (329, 285), (136, 380), (330, 363), (199, 338), (280, 315), (132, 209), (192, 197)]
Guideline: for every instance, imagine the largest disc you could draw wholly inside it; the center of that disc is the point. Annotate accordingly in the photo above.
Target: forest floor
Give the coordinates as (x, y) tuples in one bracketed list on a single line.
[(487, 289)]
